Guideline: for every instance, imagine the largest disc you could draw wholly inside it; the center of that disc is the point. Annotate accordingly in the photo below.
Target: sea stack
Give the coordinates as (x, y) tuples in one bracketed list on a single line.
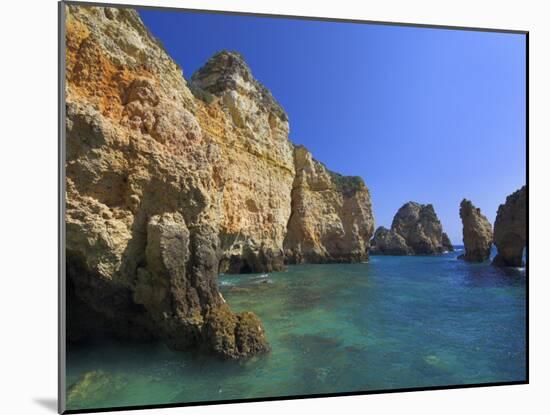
[(510, 234), (331, 218), (388, 242), (477, 233), (415, 230)]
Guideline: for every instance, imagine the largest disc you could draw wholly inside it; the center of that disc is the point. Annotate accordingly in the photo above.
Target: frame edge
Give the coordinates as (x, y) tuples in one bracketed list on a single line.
[(62, 355)]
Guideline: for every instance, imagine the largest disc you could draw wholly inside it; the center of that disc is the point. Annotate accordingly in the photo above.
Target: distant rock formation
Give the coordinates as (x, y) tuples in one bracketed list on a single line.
[(446, 243), (170, 182), (510, 232), (331, 218), (388, 242), (415, 230), (477, 233)]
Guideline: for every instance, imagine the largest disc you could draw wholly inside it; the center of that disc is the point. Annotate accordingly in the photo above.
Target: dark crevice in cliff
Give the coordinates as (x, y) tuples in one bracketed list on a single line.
[(96, 309)]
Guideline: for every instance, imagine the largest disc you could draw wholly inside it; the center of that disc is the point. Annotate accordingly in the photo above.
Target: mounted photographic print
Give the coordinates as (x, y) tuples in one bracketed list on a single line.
[(259, 207)]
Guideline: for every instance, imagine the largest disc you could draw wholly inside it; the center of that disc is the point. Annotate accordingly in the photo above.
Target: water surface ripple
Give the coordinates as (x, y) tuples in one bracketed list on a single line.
[(395, 322)]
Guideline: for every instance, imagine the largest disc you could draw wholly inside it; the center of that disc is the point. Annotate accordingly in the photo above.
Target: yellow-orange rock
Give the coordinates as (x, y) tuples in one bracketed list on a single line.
[(510, 234), (477, 233), (331, 219), (170, 182), (257, 166), (142, 190)]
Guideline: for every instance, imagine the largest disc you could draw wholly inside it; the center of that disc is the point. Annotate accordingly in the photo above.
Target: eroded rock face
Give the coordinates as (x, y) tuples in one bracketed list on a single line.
[(415, 230), (388, 242), (477, 233), (331, 218), (142, 191), (257, 164), (510, 232), (170, 182), (235, 335)]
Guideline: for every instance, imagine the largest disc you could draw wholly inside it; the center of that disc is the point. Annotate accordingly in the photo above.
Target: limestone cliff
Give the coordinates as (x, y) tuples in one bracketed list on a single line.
[(331, 218), (510, 231), (477, 233), (142, 201), (415, 230), (170, 182), (251, 130)]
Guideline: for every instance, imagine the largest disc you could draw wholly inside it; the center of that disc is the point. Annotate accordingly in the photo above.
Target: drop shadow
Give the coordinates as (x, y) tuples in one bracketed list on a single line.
[(48, 403)]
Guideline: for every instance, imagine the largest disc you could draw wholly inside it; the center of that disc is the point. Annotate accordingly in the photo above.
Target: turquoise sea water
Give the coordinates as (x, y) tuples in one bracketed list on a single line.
[(395, 322)]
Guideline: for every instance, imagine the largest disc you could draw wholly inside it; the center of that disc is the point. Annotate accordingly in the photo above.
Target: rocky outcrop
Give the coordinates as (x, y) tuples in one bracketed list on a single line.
[(234, 335), (170, 182), (510, 231), (256, 159), (415, 230), (388, 242), (268, 179), (142, 193), (477, 233), (331, 218), (446, 243)]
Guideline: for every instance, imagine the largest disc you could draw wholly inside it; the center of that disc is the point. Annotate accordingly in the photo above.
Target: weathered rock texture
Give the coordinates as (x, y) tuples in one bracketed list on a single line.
[(170, 182), (331, 218), (143, 202), (477, 233), (415, 230), (388, 242), (510, 235), (251, 130)]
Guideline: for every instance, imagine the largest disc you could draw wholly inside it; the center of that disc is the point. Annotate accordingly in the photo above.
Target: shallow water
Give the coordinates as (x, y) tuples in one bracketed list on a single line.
[(395, 322)]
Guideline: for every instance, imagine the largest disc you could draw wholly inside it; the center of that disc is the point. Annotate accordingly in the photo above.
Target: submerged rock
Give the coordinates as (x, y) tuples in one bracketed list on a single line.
[(477, 233), (510, 235), (94, 387), (331, 218), (415, 230)]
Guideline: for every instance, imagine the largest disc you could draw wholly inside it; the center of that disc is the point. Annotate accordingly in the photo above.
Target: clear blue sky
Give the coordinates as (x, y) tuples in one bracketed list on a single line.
[(428, 115)]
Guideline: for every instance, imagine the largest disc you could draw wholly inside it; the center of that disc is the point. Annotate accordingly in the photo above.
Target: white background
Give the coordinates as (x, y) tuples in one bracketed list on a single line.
[(28, 228)]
